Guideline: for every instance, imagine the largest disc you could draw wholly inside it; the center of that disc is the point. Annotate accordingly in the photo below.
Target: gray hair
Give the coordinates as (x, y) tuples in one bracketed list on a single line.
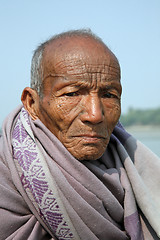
[(36, 65)]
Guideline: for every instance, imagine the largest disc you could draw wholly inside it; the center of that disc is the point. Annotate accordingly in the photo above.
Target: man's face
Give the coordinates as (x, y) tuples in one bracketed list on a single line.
[(81, 96)]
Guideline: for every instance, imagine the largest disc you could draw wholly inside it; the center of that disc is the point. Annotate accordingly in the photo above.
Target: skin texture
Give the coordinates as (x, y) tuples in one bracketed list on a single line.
[(81, 95)]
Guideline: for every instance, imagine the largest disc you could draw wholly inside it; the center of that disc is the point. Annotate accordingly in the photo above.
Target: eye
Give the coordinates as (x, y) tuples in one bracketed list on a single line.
[(108, 95), (71, 94)]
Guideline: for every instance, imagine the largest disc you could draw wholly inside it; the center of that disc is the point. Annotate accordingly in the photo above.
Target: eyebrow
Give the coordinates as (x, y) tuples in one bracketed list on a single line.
[(112, 84), (105, 86)]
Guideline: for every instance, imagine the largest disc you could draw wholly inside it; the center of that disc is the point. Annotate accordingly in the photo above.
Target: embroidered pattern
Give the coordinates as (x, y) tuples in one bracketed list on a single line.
[(35, 180)]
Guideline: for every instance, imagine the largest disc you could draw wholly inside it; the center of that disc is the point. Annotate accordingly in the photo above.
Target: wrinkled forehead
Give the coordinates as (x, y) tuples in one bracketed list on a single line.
[(79, 56)]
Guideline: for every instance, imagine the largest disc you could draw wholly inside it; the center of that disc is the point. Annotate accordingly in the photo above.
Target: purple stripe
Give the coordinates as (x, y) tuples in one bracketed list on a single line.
[(133, 226)]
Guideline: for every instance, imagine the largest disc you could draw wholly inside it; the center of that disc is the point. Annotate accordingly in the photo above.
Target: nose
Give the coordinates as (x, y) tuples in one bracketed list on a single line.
[(92, 110)]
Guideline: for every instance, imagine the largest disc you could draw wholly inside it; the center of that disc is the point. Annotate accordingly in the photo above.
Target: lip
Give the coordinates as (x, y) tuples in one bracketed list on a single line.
[(92, 138)]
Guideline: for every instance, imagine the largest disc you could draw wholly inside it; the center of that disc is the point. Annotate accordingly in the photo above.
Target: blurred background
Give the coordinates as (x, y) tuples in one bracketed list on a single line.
[(130, 28)]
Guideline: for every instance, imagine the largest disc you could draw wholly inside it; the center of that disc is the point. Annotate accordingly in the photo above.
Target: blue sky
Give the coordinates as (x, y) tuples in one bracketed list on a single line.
[(131, 29)]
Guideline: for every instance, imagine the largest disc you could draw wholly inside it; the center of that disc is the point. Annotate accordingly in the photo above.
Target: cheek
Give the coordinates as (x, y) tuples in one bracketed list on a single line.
[(67, 110), (58, 115), (112, 113)]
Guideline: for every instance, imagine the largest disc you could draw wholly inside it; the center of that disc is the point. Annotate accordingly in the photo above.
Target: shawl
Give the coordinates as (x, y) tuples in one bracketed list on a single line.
[(45, 193)]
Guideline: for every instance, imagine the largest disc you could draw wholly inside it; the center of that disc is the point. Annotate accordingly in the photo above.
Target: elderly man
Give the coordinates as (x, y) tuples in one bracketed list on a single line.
[(68, 168)]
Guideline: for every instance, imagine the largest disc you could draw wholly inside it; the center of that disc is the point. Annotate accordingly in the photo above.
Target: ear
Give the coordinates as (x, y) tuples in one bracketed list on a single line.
[(30, 100)]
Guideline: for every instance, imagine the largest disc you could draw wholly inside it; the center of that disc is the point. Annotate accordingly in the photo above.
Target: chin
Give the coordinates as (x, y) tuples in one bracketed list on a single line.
[(92, 155), (88, 151)]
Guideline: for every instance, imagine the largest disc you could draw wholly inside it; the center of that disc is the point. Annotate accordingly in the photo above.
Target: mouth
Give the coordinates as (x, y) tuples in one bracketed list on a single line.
[(91, 138)]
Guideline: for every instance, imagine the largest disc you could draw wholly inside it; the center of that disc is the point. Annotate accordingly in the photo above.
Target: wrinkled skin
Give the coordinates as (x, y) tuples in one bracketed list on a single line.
[(81, 95)]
